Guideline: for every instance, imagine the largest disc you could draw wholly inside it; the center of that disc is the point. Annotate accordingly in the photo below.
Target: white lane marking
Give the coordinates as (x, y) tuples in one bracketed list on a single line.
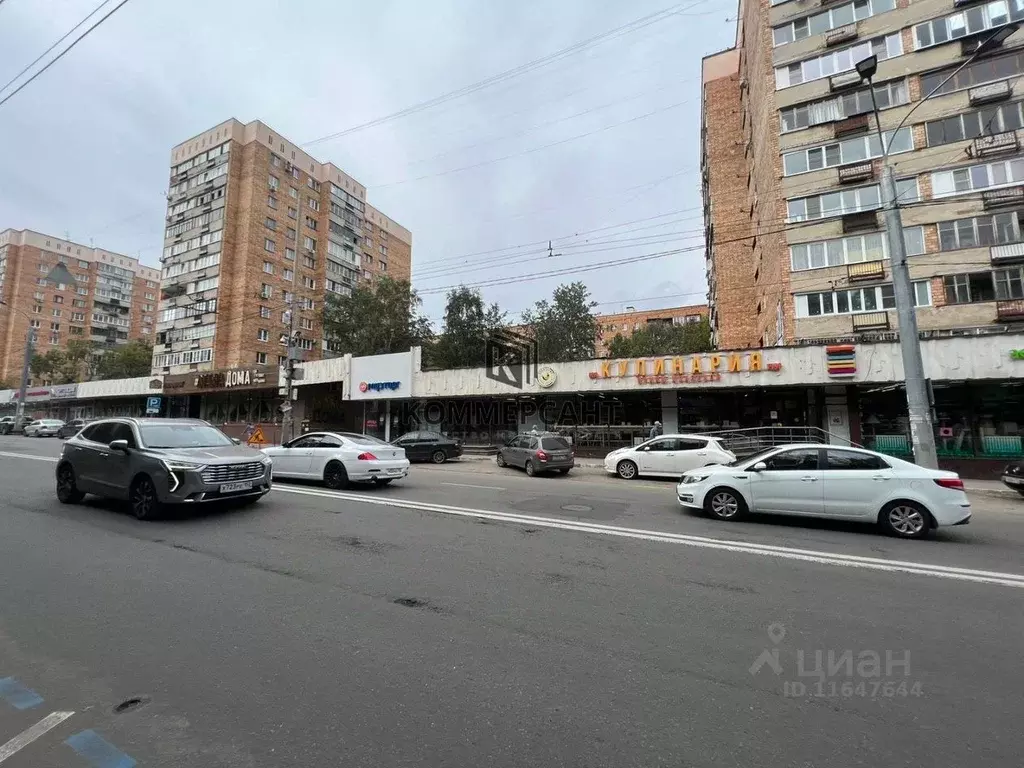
[(32, 733), (52, 459), (750, 548), (482, 487)]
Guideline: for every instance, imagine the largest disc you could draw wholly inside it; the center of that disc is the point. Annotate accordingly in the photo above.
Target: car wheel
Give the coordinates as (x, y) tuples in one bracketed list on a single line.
[(67, 489), (500, 460), (530, 471), (439, 457), (143, 499), (905, 520), (335, 476), (626, 469), (725, 504), (564, 471)]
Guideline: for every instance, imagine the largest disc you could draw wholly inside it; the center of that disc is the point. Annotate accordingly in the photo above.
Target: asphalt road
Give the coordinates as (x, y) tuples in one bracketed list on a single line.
[(466, 616)]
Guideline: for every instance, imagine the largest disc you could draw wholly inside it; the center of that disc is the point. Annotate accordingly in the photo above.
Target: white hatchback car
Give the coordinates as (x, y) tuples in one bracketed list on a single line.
[(827, 481), (339, 458), (667, 456)]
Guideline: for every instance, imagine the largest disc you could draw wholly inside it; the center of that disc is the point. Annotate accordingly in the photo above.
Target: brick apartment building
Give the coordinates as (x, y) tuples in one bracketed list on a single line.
[(791, 167), (626, 323), (256, 226), (113, 301)]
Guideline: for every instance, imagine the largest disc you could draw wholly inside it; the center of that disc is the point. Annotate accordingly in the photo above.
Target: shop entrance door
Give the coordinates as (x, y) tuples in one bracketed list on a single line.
[(837, 420)]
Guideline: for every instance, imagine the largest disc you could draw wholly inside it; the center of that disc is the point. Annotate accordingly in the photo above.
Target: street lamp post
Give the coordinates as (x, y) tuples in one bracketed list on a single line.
[(922, 435)]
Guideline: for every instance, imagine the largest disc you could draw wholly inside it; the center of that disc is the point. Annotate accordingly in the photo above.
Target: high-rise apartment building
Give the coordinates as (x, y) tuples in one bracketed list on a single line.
[(629, 322), (112, 302), (791, 164), (256, 228)]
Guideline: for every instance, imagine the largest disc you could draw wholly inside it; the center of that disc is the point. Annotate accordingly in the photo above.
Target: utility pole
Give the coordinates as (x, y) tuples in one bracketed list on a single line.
[(287, 421), (19, 409)]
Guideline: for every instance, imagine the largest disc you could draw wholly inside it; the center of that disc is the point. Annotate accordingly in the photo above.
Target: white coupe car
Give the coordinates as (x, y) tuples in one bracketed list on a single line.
[(667, 456), (339, 458), (825, 481)]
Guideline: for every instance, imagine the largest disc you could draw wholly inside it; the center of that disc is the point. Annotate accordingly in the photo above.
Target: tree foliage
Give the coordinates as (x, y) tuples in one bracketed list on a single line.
[(71, 364), (377, 319), (564, 328), (467, 323), (125, 362), (655, 339)]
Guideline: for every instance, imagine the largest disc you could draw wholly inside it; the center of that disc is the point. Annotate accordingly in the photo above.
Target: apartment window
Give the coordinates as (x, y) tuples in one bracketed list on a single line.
[(40, 281), (270, 223), (34, 323), (971, 125), (985, 176), (986, 70), (273, 182), (54, 339), (78, 317), (39, 296), (855, 150), (275, 160), (834, 62), (282, 359), (293, 213), (968, 22), (308, 282), (268, 245), (306, 303), (313, 203), (45, 268), (367, 275), (288, 274), (289, 297), (839, 16), (289, 253), (851, 250), (264, 312), (383, 266), (285, 320), (306, 323), (151, 296), (309, 262), (54, 326), (147, 307), (58, 299), (979, 231), (83, 264), (313, 184), (82, 291), (78, 303), (384, 250), (969, 288), (842, 202), (294, 171), (383, 235), (56, 313), (76, 330), (854, 300), (261, 358), (311, 222), (271, 201), (291, 234), (268, 267), (293, 192), (266, 291), (1009, 283), (309, 243), (262, 334)]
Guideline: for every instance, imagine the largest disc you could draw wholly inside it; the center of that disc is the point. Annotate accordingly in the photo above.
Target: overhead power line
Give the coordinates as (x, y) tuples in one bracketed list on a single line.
[(63, 53)]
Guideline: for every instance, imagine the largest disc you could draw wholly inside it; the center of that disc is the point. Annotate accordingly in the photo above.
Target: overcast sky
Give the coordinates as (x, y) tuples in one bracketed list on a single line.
[(84, 149)]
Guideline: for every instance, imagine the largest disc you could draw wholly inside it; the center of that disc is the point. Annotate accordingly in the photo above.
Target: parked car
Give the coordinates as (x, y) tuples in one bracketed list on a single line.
[(339, 458), (543, 452), (429, 446), (667, 456), (824, 481), (9, 425), (1013, 477), (156, 462), (72, 427), (43, 428)]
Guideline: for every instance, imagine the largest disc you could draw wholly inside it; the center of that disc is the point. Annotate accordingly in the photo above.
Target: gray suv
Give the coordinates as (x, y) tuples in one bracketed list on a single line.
[(155, 462), (544, 452)]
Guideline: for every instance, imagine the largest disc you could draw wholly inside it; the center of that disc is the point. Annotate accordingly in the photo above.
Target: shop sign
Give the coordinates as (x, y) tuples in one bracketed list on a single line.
[(35, 395), (685, 370), (64, 391), (379, 386), (1017, 354), (155, 384), (841, 361), (216, 381)]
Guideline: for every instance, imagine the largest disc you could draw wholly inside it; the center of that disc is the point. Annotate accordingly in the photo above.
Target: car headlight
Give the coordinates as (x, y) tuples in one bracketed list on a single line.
[(182, 466), (691, 479)]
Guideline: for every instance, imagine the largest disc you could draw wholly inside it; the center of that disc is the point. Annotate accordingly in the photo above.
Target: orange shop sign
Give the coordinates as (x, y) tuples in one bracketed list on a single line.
[(691, 369)]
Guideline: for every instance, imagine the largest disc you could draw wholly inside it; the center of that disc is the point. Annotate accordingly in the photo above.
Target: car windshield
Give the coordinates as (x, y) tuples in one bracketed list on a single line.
[(752, 458), (182, 436)]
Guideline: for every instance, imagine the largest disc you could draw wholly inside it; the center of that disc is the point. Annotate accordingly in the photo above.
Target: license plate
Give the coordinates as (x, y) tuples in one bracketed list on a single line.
[(394, 471), (243, 485), (1013, 481)]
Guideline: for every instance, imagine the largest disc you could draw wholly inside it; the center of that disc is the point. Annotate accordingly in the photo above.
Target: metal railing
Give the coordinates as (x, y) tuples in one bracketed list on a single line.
[(744, 442)]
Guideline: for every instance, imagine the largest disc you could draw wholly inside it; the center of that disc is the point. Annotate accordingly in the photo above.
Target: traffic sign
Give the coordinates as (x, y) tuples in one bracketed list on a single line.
[(257, 438), (152, 405)]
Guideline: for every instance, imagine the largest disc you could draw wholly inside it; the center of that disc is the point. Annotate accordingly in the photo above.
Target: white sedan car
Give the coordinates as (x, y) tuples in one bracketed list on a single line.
[(667, 456), (43, 428), (339, 458), (827, 481)]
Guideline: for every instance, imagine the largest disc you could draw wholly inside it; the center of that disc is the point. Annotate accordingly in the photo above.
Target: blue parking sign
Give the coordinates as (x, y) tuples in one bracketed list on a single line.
[(153, 405)]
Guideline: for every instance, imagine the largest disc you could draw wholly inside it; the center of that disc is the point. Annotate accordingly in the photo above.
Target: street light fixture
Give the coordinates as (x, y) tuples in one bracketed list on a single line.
[(922, 435)]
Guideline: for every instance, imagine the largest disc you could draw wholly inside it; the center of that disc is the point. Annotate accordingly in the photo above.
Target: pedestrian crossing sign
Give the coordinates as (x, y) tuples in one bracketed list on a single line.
[(257, 438)]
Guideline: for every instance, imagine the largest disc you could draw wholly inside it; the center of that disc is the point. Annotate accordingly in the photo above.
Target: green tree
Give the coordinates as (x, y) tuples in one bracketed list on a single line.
[(126, 362), (663, 339), (467, 323), (564, 328), (376, 319), (64, 366)]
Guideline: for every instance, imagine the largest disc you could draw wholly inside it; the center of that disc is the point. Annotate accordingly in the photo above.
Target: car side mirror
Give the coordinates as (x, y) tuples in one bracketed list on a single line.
[(759, 467), (118, 445), (236, 441), (646, 448)]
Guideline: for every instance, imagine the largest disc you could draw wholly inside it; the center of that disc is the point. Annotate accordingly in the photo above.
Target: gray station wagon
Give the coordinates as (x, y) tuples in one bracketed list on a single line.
[(155, 462), (537, 453)]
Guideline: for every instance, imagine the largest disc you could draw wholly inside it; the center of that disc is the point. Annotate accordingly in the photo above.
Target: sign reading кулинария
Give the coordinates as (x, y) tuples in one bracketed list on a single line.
[(696, 368)]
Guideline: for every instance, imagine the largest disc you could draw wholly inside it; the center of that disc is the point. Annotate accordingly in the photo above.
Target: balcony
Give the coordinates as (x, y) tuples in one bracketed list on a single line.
[(871, 321), (1001, 198), (841, 35), (1006, 253), (856, 172), (996, 144), (865, 270), (172, 290), (1011, 309), (859, 222), (844, 81), (986, 94), (852, 125)]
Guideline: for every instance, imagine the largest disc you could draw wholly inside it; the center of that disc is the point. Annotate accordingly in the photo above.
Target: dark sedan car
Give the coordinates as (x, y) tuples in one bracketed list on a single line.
[(72, 427), (429, 446), (156, 462), (1013, 477)]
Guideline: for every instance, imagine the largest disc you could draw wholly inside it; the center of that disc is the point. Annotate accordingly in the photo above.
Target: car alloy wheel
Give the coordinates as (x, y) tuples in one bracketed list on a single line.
[(500, 460), (439, 457), (143, 499), (530, 471), (724, 504), (906, 521), (626, 470), (67, 489), (335, 476)]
